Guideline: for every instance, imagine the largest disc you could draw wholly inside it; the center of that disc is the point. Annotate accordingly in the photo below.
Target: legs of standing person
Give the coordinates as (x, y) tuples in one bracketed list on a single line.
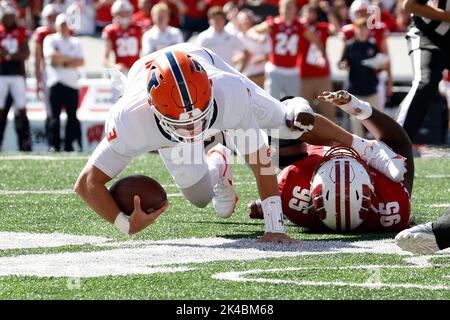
[(310, 88), (272, 85), (21, 123), (282, 85), (4, 116), (428, 64), (73, 127), (56, 98)]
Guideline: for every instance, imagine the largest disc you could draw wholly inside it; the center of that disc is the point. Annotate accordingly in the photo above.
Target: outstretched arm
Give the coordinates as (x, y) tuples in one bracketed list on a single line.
[(266, 179), (381, 126)]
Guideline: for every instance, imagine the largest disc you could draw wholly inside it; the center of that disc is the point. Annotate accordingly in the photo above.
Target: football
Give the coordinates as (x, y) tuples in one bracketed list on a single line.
[(151, 193)]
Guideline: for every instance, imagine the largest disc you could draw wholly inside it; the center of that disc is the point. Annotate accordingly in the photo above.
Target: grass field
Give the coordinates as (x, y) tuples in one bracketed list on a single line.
[(53, 247)]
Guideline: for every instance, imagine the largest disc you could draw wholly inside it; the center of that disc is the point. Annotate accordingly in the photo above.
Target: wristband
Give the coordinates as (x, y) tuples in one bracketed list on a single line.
[(358, 108), (273, 215), (122, 223)]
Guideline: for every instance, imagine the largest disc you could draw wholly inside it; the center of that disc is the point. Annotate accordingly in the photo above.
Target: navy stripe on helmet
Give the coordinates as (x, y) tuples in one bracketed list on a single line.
[(187, 103)]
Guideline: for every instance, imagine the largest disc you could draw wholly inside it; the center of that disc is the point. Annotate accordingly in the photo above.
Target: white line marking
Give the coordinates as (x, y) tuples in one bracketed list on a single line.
[(440, 205), (22, 192), (434, 176), (42, 157), (24, 240), (240, 277)]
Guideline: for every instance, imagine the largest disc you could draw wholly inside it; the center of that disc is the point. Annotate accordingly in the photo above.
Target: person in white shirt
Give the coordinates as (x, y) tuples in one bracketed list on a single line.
[(161, 35), (226, 45), (259, 50), (231, 10), (63, 55)]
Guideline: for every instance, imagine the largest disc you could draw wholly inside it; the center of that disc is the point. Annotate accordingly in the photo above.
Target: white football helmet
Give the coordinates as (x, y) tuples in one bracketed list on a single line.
[(341, 190), (121, 10)]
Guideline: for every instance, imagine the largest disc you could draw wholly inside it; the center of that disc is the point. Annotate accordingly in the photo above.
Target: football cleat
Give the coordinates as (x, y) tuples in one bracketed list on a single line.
[(380, 157), (225, 198), (419, 239)]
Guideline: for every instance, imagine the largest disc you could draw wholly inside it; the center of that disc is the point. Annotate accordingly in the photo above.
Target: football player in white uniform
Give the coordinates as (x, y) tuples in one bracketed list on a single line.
[(173, 100)]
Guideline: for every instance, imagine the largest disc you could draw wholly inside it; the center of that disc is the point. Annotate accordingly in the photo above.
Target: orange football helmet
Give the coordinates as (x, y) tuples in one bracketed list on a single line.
[(180, 95)]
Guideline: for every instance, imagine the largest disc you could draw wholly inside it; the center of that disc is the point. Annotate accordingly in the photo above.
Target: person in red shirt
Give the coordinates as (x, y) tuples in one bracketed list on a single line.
[(143, 17), (381, 205), (315, 78), (102, 13), (122, 37), (48, 15), (288, 36), (13, 53), (193, 17)]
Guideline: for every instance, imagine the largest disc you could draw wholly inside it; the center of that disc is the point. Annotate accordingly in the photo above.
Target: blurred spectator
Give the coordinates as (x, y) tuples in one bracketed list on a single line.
[(13, 53), (63, 54), (258, 50), (314, 74), (288, 38), (226, 45), (402, 16), (363, 80), (231, 10), (161, 35), (340, 12), (103, 15), (386, 16), (193, 17), (81, 15), (143, 16), (378, 35), (48, 15), (216, 3), (122, 38)]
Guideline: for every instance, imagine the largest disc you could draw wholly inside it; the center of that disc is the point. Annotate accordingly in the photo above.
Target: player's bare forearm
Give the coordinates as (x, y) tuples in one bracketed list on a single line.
[(91, 187), (264, 172), (426, 11), (386, 129), (22, 54), (327, 133)]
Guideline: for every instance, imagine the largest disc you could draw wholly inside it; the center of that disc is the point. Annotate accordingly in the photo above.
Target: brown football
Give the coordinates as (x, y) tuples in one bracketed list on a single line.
[(150, 191)]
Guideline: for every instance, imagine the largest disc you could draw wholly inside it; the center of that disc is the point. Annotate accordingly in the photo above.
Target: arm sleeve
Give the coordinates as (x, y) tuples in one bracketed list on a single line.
[(107, 160), (145, 45), (48, 48)]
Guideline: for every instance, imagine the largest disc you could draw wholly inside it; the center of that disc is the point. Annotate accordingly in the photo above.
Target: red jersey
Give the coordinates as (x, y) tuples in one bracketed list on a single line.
[(377, 35), (390, 211), (11, 41), (306, 62), (193, 9), (142, 20), (103, 15), (40, 33), (126, 44), (287, 42)]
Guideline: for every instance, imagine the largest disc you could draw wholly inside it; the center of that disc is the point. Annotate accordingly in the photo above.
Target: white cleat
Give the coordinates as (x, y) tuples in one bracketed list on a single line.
[(225, 198), (380, 157), (419, 239)]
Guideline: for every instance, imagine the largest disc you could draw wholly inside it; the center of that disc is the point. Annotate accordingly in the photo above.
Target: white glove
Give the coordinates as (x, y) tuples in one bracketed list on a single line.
[(118, 80), (356, 107), (300, 113), (377, 62)]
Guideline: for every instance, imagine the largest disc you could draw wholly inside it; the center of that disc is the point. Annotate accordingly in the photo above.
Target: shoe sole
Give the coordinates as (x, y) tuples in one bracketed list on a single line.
[(417, 243)]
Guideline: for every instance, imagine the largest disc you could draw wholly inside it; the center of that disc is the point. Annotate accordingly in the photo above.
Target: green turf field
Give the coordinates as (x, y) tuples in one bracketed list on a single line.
[(53, 247)]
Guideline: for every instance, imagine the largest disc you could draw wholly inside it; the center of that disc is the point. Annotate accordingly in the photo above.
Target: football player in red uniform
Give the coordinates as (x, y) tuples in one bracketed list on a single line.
[(288, 36), (334, 188), (13, 53), (123, 38), (48, 15)]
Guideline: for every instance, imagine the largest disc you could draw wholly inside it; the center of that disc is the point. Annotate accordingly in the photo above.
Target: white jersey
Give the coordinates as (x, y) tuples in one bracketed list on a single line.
[(239, 104), (155, 39)]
